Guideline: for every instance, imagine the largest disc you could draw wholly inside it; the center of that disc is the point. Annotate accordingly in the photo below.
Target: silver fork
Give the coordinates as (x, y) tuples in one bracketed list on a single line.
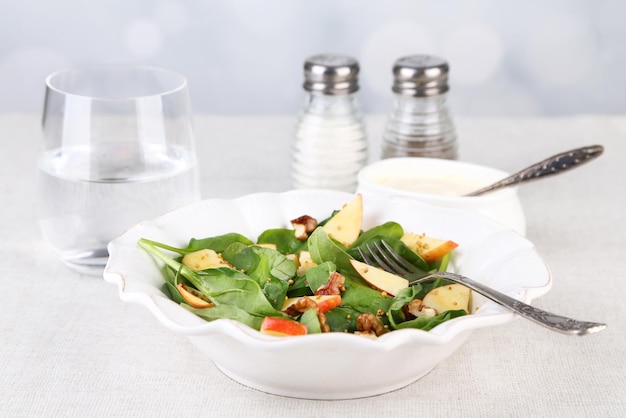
[(384, 256)]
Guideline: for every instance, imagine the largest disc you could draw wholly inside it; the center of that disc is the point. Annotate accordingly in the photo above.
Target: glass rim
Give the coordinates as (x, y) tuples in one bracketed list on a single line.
[(179, 84)]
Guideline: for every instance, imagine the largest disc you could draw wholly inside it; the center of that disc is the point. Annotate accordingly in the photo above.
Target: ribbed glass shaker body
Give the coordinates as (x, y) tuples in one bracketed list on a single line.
[(420, 123), (420, 127), (330, 141)]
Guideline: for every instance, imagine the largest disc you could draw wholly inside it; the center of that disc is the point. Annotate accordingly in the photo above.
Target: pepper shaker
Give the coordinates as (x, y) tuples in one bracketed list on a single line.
[(420, 124), (330, 141)]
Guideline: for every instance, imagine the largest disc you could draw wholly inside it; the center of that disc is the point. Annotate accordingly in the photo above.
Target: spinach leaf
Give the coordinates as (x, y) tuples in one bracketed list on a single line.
[(227, 311), (342, 319), (422, 268), (387, 230), (322, 249), (284, 239), (403, 297), (170, 275), (396, 313), (441, 264), (222, 285), (317, 276), (426, 324), (231, 287), (310, 320), (271, 269), (275, 291), (364, 298), (260, 263), (397, 319), (300, 287), (217, 244), (232, 250), (172, 291)]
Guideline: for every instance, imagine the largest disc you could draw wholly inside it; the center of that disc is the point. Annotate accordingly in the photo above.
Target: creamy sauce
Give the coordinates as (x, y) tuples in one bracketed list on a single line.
[(442, 186)]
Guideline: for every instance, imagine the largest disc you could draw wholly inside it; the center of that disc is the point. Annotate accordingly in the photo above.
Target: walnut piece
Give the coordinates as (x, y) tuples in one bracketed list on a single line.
[(368, 323), (303, 304), (419, 310), (414, 306), (303, 226), (334, 286)]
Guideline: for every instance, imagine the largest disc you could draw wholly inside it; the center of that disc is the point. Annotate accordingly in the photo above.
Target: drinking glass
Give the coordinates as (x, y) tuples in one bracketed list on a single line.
[(118, 148)]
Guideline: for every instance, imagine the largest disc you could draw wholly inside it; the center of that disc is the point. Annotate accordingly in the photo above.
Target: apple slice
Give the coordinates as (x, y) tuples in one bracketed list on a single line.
[(269, 245), (282, 327), (294, 258), (194, 298), (204, 259), (448, 297), (437, 248), (380, 279), (430, 249), (305, 262), (345, 226), (324, 302)]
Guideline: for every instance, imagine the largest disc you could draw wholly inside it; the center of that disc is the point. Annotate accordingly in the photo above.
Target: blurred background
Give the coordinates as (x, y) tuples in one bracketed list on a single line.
[(514, 58)]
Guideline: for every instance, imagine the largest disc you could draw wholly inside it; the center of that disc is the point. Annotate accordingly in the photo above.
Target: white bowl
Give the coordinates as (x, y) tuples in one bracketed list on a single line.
[(331, 365), (424, 179)]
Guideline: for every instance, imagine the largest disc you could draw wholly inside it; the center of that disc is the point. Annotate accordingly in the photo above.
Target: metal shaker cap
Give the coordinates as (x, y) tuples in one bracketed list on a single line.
[(331, 74), (420, 76)]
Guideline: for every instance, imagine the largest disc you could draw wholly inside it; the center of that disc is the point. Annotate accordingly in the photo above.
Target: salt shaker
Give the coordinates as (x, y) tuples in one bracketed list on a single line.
[(420, 124), (330, 141)]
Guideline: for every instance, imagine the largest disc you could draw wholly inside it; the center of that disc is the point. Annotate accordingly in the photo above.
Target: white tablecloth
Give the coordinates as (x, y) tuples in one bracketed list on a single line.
[(70, 347)]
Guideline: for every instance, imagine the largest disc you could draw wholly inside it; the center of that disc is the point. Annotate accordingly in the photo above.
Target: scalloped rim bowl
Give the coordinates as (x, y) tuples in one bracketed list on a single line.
[(332, 365)]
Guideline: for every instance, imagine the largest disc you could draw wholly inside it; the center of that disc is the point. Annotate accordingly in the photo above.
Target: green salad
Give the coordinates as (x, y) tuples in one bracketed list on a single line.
[(310, 278)]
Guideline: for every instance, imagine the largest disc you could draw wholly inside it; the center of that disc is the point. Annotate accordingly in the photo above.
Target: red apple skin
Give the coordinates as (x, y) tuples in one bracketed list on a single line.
[(327, 302), (324, 302), (193, 300), (439, 251), (282, 327)]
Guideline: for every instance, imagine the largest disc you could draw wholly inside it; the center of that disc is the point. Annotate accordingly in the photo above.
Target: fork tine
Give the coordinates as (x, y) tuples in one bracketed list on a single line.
[(388, 259), (368, 260), (397, 259), (373, 258), (385, 257)]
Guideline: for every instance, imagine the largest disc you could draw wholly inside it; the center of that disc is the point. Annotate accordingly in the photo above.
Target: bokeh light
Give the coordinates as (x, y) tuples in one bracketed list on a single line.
[(513, 58)]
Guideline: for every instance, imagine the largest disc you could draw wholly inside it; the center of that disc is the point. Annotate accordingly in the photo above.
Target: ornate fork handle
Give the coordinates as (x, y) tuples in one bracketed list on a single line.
[(550, 166), (547, 319)]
